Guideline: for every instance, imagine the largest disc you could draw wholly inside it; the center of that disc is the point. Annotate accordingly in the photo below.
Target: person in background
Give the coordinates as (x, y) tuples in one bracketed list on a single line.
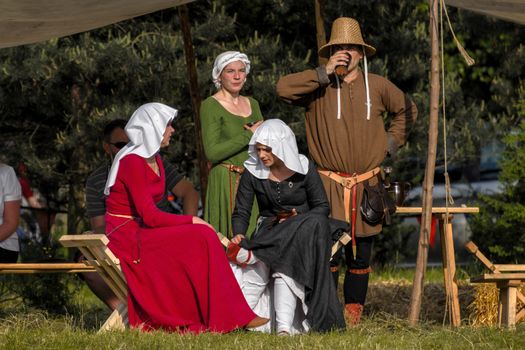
[(177, 274), (114, 138), (10, 198), (228, 121), (347, 139)]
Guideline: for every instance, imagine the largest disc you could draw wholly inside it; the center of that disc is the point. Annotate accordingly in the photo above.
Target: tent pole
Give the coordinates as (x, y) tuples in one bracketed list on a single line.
[(319, 26), (195, 97), (428, 183)]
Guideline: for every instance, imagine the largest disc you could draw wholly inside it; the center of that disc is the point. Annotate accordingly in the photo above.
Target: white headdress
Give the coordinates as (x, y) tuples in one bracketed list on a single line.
[(225, 59), (145, 130), (276, 134)]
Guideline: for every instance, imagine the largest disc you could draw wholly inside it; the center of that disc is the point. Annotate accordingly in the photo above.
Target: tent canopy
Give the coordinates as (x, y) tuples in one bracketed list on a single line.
[(508, 10), (29, 21)]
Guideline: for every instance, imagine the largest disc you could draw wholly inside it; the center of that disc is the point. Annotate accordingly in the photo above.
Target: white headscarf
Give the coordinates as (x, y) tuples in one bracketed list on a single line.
[(145, 130), (225, 59), (276, 134)]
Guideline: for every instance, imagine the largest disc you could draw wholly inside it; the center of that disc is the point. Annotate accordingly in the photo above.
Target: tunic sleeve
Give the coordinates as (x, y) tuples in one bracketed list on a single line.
[(243, 204), (216, 147), (297, 88), (317, 200), (404, 115), (132, 173)]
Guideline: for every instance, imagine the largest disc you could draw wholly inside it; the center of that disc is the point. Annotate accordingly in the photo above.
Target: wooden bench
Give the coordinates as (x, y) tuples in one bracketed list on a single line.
[(508, 278), (31, 268), (98, 256)]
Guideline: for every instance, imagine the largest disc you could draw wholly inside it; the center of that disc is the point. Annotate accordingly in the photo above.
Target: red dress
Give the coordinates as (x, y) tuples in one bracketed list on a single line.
[(177, 273)]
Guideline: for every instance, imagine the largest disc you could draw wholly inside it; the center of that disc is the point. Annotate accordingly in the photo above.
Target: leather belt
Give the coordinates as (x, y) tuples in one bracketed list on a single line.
[(237, 170), (349, 182)]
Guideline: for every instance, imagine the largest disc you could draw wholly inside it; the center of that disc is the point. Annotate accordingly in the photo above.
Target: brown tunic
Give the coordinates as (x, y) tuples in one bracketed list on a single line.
[(351, 144)]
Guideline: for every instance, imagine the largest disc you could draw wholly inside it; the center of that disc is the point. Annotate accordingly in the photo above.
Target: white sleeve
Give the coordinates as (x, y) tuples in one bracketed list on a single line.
[(11, 185)]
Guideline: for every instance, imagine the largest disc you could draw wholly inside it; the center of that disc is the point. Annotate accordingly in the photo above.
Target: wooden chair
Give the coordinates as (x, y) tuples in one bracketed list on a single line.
[(97, 255), (507, 278)]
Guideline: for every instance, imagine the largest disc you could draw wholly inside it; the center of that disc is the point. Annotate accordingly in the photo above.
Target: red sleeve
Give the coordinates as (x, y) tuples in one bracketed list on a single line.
[(132, 173), (26, 187)]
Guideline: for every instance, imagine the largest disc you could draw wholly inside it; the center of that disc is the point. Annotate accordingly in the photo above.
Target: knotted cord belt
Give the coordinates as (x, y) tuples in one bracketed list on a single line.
[(349, 182), (237, 171)]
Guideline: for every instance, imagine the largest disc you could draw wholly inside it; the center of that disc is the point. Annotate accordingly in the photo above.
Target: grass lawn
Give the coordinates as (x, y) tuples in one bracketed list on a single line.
[(383, 327)]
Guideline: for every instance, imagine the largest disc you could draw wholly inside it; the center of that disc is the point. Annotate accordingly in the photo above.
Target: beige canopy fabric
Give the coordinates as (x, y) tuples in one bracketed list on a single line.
[(29, 21), (509, 10)]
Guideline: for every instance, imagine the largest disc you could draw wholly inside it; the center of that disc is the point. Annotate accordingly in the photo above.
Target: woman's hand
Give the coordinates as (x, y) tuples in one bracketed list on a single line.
[(252, 127), (293, 212), (238, 238), (199, 221)]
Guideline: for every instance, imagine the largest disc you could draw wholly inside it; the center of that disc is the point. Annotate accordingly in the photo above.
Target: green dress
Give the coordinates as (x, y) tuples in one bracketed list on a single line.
[(225, 143)]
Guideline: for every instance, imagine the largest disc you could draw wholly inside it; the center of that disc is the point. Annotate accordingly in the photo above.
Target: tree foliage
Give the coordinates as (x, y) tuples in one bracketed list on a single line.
[(56, 95), (500, 228)]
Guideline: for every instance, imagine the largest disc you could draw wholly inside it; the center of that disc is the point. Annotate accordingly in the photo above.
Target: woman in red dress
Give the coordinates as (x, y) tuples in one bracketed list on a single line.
[(177, 273)]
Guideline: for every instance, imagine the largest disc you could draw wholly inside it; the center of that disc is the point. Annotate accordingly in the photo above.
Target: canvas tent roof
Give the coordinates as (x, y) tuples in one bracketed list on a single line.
[(509, 10), (29, 21)]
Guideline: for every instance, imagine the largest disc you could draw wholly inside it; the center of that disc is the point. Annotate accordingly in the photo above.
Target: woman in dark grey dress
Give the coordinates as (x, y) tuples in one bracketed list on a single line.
[(291, 248)]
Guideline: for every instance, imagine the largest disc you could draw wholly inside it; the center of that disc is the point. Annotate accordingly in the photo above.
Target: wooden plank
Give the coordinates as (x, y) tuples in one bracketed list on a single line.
[(438, 210), (473, 248), (449, 271), (86, 239), (118, 320), (26, 271), (107, 264), (45, 266), (507, 304), (510, 267), (102, 271), (496, 277), (224, 240)]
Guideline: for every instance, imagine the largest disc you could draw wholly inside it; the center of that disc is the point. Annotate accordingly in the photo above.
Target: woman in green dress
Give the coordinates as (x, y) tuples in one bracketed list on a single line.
[(228, 122)]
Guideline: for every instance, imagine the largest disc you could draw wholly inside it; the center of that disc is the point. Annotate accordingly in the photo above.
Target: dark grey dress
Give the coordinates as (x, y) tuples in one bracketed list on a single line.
[(300, 246)]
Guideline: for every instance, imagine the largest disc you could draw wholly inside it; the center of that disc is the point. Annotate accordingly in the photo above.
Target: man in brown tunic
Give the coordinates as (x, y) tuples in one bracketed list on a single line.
[(347, 138)]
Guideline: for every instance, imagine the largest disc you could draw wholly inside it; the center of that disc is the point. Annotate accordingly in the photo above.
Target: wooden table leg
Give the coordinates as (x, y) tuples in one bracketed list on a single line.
[(507, 303), (449, 268)]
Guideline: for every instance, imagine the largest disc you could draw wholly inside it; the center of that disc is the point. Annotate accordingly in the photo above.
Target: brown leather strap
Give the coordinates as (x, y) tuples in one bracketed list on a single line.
[(349, 183), (233, 168), (349, 180), (360, 271)]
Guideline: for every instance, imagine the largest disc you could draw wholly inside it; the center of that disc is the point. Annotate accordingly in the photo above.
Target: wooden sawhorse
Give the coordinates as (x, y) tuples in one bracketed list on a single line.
[(445, 216), (508, 278), (97, 254)]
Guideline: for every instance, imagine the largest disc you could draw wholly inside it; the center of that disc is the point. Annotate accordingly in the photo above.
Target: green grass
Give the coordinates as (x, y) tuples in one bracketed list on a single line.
[(36, 331), (25, 328)]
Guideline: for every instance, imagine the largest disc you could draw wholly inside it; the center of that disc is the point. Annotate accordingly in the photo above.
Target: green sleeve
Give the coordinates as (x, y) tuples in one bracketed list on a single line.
[(218, 149)]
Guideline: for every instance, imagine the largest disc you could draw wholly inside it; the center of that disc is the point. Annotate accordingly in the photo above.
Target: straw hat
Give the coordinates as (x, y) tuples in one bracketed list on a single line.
[(345, 30)]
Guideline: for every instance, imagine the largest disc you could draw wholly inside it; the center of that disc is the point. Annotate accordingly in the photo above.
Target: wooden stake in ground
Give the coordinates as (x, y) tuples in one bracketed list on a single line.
[(428, 183), (195, 96)]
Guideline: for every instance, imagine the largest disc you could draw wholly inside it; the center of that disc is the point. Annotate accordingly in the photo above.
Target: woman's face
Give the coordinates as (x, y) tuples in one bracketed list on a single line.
[(265, 154), (233, 77), (167, 135)]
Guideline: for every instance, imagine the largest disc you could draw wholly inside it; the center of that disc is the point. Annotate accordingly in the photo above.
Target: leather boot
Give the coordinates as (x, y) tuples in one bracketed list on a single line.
[(353, 313)]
